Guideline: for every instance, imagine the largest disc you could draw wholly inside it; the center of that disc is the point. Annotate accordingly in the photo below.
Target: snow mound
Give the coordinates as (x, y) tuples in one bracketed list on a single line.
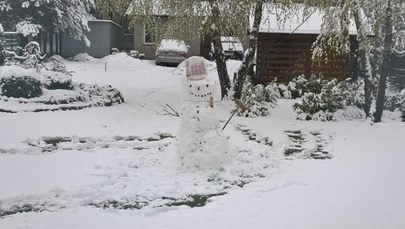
[(123, 61), (58, 58), (83, 57)]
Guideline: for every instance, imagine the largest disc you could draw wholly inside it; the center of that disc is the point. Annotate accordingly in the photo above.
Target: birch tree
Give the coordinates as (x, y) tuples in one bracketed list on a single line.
[(377, 18), (247, 62), (391, 17)]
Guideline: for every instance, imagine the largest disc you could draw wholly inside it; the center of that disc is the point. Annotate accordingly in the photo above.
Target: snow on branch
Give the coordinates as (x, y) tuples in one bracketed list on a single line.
[(27, 28)]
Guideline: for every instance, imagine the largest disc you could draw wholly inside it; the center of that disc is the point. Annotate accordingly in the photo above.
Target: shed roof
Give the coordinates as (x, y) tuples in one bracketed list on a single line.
[(299, 21)]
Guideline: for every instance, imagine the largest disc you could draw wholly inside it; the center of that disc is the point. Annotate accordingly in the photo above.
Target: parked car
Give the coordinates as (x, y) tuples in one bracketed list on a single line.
[(171, 51), (233, 48)]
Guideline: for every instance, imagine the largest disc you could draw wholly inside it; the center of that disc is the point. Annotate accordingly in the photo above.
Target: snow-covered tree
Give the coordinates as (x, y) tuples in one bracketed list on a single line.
[(372, 17), (248, 59), (28, 17), (114, 10)]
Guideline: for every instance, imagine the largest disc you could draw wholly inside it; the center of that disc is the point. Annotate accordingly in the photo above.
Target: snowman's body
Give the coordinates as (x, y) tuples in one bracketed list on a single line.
[(201, 143)]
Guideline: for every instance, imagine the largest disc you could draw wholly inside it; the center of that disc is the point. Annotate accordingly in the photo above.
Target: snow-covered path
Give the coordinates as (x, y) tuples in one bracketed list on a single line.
[(107, 157)]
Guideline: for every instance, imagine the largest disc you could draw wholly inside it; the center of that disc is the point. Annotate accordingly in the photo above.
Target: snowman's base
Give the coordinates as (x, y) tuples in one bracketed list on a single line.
[(204, 150)]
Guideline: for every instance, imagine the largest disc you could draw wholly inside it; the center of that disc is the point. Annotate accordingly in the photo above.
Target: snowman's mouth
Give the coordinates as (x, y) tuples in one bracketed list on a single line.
[(200, 95)]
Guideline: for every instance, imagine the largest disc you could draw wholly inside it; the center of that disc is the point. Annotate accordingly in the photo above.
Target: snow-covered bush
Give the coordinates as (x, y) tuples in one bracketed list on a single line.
[(356, 94), (349, 113), (396, 102), (257, 99), (51, 90), (56, 80), (20, 87), (296, 87), (321, 105), (300, 85), (103, 96)]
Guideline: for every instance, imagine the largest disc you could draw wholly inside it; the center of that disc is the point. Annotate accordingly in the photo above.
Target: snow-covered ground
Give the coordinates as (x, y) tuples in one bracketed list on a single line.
[(116, 167)]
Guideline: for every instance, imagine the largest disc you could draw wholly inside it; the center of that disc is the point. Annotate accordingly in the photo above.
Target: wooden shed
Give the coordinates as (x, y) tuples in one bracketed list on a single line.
[(285, 48)]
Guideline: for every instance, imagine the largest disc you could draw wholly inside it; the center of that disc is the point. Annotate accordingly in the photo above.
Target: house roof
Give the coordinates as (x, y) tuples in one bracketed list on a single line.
[(299, 21)]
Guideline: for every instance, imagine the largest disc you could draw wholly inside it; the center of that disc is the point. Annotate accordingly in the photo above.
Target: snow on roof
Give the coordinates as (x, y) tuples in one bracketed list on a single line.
[(105, 21), (275, 20)]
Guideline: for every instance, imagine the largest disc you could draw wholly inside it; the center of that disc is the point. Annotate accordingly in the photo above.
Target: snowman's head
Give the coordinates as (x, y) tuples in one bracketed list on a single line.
[(200, 90)]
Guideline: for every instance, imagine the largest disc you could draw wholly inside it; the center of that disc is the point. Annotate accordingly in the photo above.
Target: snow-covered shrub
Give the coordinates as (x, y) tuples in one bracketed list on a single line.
[(396, 102), (56, 80), (349, 113), (322, 105), (257, 99), (102, 96), (20, 87), (52, 90), (356, 94), (300, 85), (296, 87)]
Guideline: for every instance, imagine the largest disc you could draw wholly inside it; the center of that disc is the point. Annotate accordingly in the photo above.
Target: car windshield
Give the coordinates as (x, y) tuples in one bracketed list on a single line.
[(231, 44), (173, 45)]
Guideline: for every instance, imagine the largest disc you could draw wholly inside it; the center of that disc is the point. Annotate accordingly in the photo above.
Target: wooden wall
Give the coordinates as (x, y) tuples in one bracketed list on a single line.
[(283, 57)]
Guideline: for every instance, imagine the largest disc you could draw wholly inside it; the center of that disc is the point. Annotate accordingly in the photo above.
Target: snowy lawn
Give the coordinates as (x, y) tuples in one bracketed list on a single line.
[(116, 167)]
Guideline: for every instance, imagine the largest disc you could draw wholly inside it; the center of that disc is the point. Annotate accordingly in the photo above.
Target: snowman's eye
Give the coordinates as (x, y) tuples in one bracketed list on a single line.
[(208, 85), (191, 86)]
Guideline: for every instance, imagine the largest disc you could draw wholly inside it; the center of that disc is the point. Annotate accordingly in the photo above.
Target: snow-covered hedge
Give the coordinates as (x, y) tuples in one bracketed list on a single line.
[(27, 90), (20, 87)]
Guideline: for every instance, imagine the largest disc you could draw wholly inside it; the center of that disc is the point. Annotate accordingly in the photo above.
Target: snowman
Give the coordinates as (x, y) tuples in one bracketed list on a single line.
[(201, 144)]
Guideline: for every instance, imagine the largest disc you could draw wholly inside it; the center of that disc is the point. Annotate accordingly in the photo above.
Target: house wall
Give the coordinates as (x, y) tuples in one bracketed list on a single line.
[(103, 36), (128, 42), (150, 49), (282, 56), (397, 74)]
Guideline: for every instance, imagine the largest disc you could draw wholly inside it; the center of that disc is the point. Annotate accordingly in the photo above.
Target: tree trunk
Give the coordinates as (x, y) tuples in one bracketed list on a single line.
[(346, 58), (1, 50), (247, 63), (385, 68), (365, 66), (218, 51), (51, 42), (2, 58)]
